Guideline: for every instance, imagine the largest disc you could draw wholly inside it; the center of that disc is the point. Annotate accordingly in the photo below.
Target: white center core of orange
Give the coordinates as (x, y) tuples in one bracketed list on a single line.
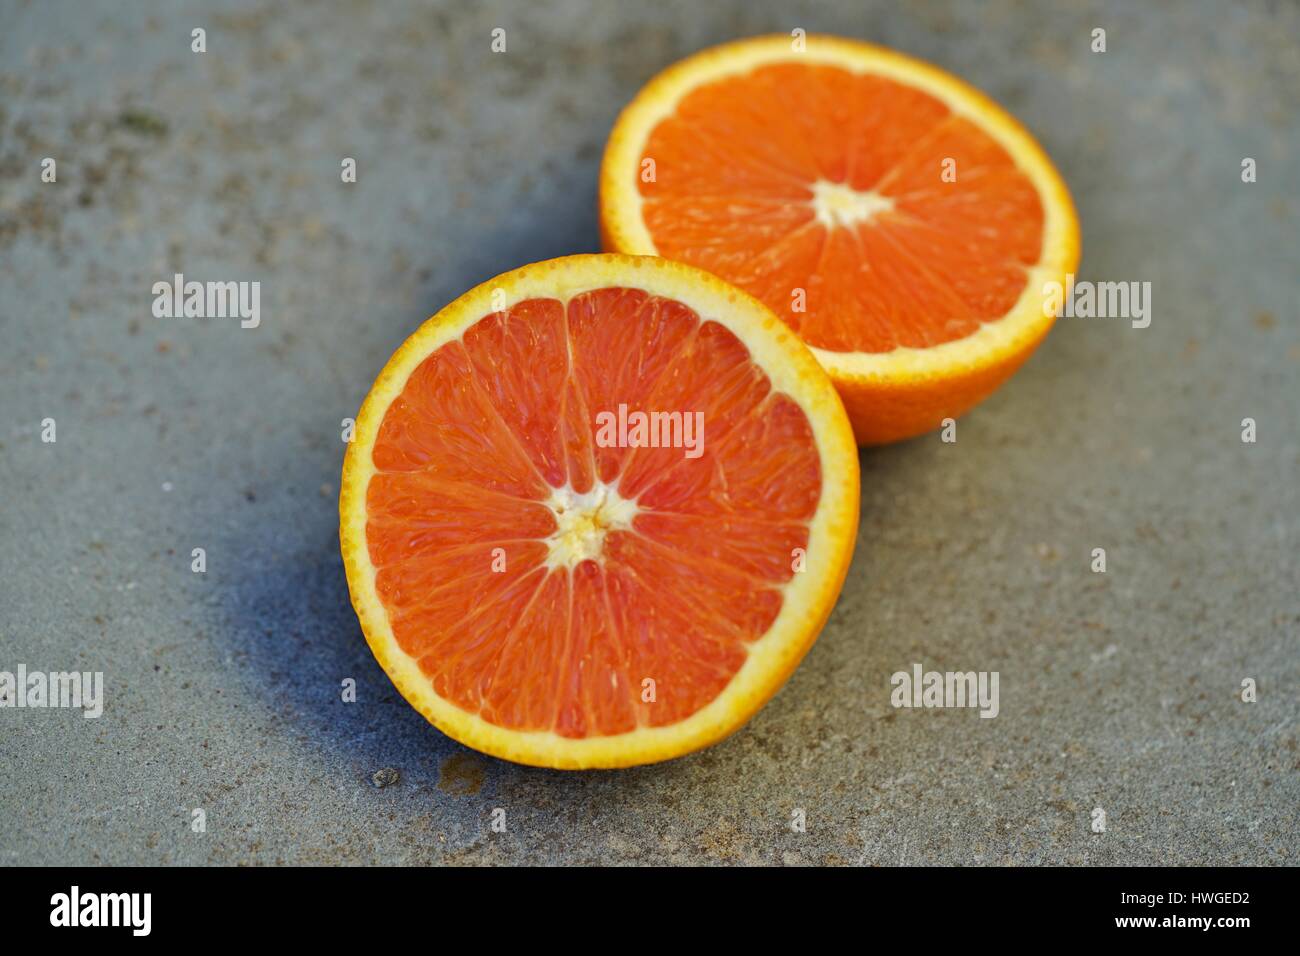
[(581, 522), (839, 205)]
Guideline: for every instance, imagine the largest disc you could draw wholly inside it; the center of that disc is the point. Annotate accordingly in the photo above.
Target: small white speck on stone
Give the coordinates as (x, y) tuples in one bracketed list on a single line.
[(167, 486)]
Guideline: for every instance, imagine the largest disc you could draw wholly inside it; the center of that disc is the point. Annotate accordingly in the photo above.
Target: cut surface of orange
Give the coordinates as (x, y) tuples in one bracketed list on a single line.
[(899, 220), (549, 581)]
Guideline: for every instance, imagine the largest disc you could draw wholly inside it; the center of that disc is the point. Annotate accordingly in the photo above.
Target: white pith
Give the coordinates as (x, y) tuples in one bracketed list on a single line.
[(839, 205), (582, 521)]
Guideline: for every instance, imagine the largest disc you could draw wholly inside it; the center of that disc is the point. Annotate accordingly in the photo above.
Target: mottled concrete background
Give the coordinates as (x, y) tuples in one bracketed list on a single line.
[(1118, 691)]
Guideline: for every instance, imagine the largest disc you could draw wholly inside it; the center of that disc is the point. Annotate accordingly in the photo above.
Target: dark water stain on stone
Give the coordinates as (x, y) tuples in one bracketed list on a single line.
[(461, 774), (142, 123)]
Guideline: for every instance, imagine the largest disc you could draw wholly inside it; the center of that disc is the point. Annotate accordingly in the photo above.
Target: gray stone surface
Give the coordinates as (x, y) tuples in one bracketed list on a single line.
[(1117, 690)]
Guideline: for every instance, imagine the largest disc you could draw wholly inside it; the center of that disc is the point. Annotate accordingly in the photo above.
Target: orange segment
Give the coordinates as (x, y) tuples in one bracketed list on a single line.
[(712, 375), (519, 357), (436, 415), (622, 341), (546, 598), (898, 220)]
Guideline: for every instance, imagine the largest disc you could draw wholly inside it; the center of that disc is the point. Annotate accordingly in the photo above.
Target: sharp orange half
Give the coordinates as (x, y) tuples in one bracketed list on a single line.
[(899, 220), (596, 510)]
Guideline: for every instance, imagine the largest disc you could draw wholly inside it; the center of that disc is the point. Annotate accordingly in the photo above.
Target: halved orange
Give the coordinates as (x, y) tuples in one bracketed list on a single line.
[(548, 581), (899, 220)]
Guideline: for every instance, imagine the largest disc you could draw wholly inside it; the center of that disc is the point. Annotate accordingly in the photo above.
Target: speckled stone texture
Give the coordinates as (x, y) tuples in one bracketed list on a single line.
[(1118, 690)]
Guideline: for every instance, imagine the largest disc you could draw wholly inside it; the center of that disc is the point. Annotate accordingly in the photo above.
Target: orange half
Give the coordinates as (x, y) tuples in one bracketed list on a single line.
[(547, 583), (896, 218)]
